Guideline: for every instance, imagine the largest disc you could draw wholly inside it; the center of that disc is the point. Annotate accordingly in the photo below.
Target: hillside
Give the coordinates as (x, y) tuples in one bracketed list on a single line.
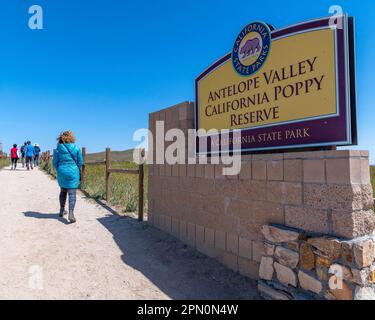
[(126, 155)]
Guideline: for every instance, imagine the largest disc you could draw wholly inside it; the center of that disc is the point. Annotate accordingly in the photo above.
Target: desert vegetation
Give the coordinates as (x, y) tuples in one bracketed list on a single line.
[(123, 187), (4, 163)]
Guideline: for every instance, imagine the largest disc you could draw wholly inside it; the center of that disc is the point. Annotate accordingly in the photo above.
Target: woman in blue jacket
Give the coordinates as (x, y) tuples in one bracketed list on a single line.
[(67, 160)]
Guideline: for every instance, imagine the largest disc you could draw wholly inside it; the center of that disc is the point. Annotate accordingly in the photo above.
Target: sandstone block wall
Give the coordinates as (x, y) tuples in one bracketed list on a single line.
[(324, 192)]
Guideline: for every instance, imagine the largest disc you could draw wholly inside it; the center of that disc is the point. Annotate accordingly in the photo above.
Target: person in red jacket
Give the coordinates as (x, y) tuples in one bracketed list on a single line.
[(14, 156)]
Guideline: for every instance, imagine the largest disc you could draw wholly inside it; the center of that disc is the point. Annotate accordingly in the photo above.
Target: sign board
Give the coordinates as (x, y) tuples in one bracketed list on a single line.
[(280, 89)]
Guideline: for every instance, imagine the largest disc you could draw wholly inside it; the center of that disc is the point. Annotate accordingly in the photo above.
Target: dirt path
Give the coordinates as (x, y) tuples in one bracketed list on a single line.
[(103, 256)]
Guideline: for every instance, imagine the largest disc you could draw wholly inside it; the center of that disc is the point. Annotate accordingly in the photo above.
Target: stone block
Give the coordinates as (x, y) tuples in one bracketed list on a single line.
[(259, 170), (322, 260), (175, 170), (245, 173), (183, 231), (269, 249), (353, 224), (365, 171), (182, 170), (199, 170), (229, 260), (337, 196), (279, 234), (341, 272), (257, 250), (285, 275), (331, 247), (248, 268), (219, 172), (343, 291), (168, 224), (227, 188), (168, 170), (266, 269), (275, 170), (176, 227), (209, 237), (364, 293), (309, 283), (293, 170), (286, 257), (314, 171), (360, 276), (322, 273), (232, 243), (284, 192), (347, 252), (307, 257), (220, 240), (245, 248), (191, 234), (161, 221), (199, 235), (371, 277), (252, 190), (209, 171), (306, 218), (364, 252), (268, 292), (191, 170), (343, 171)]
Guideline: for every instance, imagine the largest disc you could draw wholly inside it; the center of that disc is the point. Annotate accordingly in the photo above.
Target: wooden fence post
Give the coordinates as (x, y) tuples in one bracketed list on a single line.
[(140, 185), (107, 173), (83, 173)]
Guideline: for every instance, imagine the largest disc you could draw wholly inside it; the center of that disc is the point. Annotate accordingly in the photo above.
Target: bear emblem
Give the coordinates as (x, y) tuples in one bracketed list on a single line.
[(251, 47)]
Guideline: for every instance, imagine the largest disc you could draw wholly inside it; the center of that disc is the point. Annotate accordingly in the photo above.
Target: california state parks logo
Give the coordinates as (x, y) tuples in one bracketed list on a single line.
[(251, 48)]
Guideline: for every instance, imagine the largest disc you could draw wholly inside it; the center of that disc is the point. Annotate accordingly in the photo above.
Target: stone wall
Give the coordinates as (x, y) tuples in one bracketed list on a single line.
[(325, 192), (298, 265)]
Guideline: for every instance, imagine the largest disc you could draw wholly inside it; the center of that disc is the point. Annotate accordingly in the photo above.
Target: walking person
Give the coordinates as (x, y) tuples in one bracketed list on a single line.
[(36, 154), (23, 154), (29, 156), (68, 161), (14, 156)]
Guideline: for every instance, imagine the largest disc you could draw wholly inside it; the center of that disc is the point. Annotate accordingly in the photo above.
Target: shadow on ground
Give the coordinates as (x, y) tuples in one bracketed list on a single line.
[(39, 215), (176, 269)]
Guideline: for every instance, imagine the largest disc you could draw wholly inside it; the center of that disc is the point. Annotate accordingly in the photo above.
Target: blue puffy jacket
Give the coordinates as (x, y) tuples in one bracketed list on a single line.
[(68, 174), (29, 150)]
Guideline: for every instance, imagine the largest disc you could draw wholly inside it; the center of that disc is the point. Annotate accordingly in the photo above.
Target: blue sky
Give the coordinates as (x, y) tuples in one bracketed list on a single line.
[(99, 67)]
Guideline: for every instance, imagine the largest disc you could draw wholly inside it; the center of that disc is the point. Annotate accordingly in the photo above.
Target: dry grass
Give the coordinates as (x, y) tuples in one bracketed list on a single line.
[(4, 163), (372, 173), (123, 187)]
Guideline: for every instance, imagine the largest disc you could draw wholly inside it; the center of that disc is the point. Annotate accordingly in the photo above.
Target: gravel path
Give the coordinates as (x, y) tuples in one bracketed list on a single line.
[(102, 256)]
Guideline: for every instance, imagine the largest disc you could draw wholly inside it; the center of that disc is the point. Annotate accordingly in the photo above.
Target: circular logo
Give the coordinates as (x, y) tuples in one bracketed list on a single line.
[(251, 48)]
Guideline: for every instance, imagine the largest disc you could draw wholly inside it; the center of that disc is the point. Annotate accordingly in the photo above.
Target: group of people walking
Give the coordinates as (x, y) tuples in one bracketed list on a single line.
[(28, 153), (67, 160)]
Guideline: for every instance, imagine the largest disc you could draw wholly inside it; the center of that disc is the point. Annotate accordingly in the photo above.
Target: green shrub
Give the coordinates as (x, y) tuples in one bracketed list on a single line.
[(123, 187)]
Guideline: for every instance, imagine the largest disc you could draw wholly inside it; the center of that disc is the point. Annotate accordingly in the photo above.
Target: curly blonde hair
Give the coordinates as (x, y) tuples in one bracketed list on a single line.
[(66, 137)]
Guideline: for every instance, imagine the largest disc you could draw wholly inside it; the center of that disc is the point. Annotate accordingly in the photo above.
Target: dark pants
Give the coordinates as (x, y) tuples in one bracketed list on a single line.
[(29, 162), (14, 163), (72, 198), (36, 160)]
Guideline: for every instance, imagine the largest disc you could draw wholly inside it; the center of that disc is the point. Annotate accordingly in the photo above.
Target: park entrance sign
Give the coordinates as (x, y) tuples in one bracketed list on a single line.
[(280, 89)]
